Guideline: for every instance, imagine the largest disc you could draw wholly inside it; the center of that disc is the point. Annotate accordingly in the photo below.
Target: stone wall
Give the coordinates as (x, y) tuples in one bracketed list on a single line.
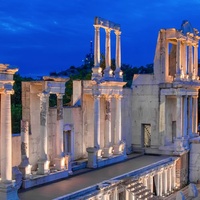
[(194, 162), (16, 150)]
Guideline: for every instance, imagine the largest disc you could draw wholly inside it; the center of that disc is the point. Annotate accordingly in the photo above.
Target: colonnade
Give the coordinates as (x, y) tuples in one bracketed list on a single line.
[(186, 115), (107, 71), (43, 162), (108, 146), (186, 59)]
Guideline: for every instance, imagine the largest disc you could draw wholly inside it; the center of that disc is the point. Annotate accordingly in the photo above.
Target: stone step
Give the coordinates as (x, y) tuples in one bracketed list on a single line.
[(147, 196), (135, 185), (138, 189), (143, 192)]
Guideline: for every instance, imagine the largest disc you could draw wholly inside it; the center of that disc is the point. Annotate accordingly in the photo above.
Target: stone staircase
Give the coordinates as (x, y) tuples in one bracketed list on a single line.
[(138, 191)]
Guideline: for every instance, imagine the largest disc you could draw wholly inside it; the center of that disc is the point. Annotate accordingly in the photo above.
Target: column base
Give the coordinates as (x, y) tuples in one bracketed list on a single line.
[(118, 74), (60, 163), (118, 149), (108, 73), (92, 157), (96, 73), (43, 167), (8, 190), (179, 145), (107, 152), (25, 168)]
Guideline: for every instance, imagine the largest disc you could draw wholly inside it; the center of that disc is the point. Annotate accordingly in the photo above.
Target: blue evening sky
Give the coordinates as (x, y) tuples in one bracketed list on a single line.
[(39, 36)]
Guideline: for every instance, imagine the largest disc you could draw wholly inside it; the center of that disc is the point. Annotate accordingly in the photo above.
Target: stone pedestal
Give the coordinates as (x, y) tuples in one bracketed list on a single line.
[(107, 152), (60, 163), (178, 145), (92, 157), (8, 190), (43, 167), (25, 168), (118, 148)]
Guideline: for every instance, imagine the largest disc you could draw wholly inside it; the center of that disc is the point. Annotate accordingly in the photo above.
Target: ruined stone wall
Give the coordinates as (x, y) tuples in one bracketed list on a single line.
[(16, 150), (182, 170), (194, 162), (145, 110)]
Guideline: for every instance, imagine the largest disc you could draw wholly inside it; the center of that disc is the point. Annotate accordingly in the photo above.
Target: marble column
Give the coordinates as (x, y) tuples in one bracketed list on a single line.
[(195, 114), (190, 116), (185, 114), (107, 71), (60, 156), (179, 116), (8, 190), (166, 59), (170, 179), (97, 121), (165, 181), (25, 166), (118, 72), (6, 138), (195, 67), (43, 163), (118, 128), (173, 176), (107, 152), (178, 60), (190, 61), (96, 70)]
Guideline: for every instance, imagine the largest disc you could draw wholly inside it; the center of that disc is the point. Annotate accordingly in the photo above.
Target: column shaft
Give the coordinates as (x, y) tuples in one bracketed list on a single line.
[(97, 121), (178, 59), (6, 138), (108, 49), (166, 59), (118, 49), (190, 61), (162, 123), (179, 116), (118, 134), (107, 133), (59, 126), (195, 114), (185, 123), (190, 116), (97, 46), (195, 71)]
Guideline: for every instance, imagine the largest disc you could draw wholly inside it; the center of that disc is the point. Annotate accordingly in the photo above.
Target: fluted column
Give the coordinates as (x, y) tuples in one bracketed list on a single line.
[(96, 70), (195, 114), (166, 180), (97, 46), (166, 59), (97, 121), (6, 138), (43, 163), (108, 121), (170, 178), (118, 120), (107, 71), (185, 114), (190, 116), (179, 116), (60, 157), (190, 61), (178, 60), (195, 67), (118, 72)]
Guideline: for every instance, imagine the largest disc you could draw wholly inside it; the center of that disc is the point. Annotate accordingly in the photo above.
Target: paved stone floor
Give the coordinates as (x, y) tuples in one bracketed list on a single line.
[(89, 178)]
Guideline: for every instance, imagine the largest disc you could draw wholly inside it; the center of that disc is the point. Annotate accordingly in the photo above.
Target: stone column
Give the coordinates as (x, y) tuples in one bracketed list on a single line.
[(195, 114), (118, 72), (195, 67), (25, 166), (166, 180), (107, 152), (162, 124), (96, 70), (107, 71), (60, 156), (7, 188), (179, 130), (166, 59), (6, 138), (185, 114), (151, 183), (43, 163), (173, 176), (170, 179), (190, 62), (178, 60), (118, 128), (97, 121), (190, 116)]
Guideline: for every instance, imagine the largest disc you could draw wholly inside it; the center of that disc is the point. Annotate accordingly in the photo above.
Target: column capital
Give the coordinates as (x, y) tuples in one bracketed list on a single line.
[(43, 94), (117, 32), (195, 97), (118, 96), (8, 92), (96, 26), (108, 30)]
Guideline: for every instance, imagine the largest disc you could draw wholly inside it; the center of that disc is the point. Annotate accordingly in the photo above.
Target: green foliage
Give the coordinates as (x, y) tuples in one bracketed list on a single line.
[(16, 115)]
